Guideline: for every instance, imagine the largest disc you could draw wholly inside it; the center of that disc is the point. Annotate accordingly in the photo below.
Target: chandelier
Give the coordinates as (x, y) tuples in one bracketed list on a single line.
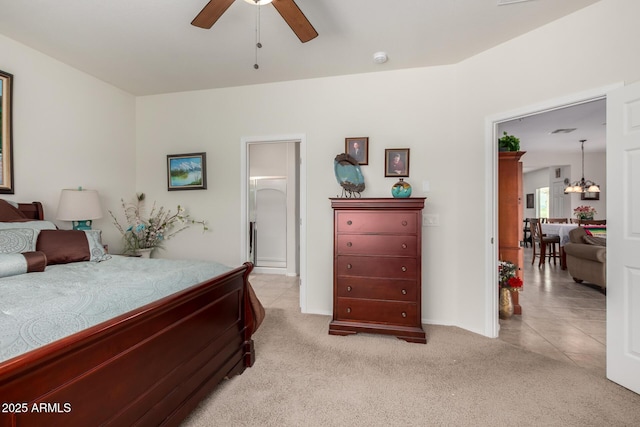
[(582, 186)]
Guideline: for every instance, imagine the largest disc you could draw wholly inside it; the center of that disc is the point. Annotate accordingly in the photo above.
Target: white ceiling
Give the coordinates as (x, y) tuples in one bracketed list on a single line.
[(535, 131), (149, 46)]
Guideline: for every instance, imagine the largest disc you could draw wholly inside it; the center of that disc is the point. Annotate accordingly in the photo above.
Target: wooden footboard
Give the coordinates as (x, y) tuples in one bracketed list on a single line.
[(150, 366)]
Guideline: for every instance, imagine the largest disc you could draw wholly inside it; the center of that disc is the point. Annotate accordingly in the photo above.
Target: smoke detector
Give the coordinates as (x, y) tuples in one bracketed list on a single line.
[(380, 57)]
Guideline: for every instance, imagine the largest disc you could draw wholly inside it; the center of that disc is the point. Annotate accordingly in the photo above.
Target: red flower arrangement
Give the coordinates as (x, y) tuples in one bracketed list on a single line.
[(515, 283)]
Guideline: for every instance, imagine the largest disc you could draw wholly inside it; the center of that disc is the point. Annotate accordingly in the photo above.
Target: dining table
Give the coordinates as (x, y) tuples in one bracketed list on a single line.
[(562, 230)]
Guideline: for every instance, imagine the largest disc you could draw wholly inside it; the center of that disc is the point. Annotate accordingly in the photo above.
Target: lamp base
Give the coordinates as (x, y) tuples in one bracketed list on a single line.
[(82, 224)]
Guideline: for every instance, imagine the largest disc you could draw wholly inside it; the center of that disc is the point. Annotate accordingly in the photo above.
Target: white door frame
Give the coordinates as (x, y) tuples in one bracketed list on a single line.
[(491, 184), (302, 194)]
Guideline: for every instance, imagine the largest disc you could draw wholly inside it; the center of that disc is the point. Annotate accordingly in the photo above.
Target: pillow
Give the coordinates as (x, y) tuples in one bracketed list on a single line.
[(593, 240), (29, 223), (18, 240), (10, 212), (64, 246), (28, 262)]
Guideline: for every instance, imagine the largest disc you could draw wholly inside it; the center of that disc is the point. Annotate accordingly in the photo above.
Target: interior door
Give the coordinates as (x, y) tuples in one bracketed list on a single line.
[(271, 223), (557, 201), (623, 236)]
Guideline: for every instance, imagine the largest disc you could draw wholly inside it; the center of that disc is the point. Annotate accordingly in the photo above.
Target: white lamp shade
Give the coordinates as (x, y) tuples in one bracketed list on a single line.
[(79, 205)]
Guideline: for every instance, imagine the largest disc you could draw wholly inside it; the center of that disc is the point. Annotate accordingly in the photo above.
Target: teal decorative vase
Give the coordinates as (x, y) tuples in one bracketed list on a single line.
[(401, 189)]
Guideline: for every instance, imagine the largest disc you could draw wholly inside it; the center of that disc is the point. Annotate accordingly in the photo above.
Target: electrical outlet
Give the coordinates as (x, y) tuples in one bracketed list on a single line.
[(430, 220)]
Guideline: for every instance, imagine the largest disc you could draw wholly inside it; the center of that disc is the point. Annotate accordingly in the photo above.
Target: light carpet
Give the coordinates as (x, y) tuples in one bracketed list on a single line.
[(305, 377)]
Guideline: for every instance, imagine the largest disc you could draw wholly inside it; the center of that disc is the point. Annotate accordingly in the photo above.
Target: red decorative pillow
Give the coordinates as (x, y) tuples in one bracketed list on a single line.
[(64, 246)]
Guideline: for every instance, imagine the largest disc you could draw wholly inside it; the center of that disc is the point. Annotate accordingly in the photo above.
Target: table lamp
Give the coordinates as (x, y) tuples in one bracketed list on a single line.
[(79, 206)]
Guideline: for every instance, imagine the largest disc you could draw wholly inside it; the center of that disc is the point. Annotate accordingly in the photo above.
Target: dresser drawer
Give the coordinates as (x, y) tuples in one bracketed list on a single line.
[(376, 266), (371, 244), (376, 222), (385, 312), (370, 288)]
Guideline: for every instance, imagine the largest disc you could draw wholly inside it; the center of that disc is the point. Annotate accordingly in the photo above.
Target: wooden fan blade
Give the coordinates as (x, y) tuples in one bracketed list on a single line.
[(211, 12), (294, 17)]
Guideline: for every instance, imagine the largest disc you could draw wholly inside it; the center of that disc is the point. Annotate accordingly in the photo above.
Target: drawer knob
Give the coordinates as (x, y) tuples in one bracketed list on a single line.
[(349, 244), (404, 268), (348, 309), (404, 314), (349, 222), (404, 223), (404, 292), (404, 246), (349, 266), (348, 288)]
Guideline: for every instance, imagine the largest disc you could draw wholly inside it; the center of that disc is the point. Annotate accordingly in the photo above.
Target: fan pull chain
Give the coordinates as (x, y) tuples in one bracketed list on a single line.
[(258, 44)]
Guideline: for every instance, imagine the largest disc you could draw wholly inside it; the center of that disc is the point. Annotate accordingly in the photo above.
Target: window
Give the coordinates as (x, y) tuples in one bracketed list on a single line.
[(542, 207)]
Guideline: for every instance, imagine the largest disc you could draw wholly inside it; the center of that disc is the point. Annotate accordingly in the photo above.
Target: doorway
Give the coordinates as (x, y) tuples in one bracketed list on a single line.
[(273, 206), (491, 148), (296, 251)]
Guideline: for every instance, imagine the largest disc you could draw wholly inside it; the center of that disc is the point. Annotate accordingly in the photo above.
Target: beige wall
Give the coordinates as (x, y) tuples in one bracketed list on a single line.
[(439, 113), (69, 130), (589, 49)]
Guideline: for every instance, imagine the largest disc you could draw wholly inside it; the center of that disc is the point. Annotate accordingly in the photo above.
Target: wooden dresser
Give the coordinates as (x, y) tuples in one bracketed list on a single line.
[(510, 224), (377, 267)]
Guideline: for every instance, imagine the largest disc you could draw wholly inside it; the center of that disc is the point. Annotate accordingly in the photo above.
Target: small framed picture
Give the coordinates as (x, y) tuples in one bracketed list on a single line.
[(558, 172), (396, 162), (187, 171), (358, 148), (530, 201)]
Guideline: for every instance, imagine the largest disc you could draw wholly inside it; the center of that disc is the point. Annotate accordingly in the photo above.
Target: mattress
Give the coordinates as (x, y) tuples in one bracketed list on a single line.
[(41, 307)]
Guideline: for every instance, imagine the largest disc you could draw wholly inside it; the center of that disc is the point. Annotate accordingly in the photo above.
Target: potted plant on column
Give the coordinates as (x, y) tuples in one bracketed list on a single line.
[(508, 143)]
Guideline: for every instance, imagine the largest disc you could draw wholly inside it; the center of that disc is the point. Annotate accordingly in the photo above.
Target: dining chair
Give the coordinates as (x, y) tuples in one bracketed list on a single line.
[(575, 221), (557, 220), (592, 222), (526, 233), (544, 243)]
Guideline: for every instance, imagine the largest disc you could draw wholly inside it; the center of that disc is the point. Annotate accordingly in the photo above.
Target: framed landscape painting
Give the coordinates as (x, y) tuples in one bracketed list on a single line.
[(187, 171)]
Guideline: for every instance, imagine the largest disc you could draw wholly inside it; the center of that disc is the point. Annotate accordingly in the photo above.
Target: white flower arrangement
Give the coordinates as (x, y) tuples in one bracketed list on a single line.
[(151, 232)]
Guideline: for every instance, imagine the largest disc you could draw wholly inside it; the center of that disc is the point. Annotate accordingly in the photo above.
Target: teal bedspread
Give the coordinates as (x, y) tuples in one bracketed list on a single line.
[(39, 308)]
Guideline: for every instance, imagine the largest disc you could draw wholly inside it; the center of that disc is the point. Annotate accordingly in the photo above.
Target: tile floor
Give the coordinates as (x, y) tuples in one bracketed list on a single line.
[(561, 319)]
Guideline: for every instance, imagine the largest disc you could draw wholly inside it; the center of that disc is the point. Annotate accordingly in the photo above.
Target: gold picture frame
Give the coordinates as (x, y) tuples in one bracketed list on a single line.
[(6, 133)]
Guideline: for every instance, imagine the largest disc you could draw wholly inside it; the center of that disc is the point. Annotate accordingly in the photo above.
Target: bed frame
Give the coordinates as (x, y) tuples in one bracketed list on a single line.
[(149, 367)]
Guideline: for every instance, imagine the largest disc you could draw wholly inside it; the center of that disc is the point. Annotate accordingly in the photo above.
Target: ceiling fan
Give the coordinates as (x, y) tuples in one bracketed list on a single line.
[(288, 9)]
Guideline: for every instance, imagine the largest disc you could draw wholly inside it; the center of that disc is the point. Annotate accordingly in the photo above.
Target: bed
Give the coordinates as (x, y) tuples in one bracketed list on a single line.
[(149, 366)]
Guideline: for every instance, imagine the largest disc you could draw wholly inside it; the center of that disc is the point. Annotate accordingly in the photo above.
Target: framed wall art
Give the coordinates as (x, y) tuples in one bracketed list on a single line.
[(530, 201), (6, 140), (358, 148), (589, 196), (187, 171), (396, 162)]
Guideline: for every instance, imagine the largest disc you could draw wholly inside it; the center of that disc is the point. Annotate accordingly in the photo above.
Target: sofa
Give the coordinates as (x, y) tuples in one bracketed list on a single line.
[(587, 257)]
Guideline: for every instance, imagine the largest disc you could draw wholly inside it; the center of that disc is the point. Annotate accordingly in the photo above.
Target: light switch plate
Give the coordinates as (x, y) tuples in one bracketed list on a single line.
[(430, 220)]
